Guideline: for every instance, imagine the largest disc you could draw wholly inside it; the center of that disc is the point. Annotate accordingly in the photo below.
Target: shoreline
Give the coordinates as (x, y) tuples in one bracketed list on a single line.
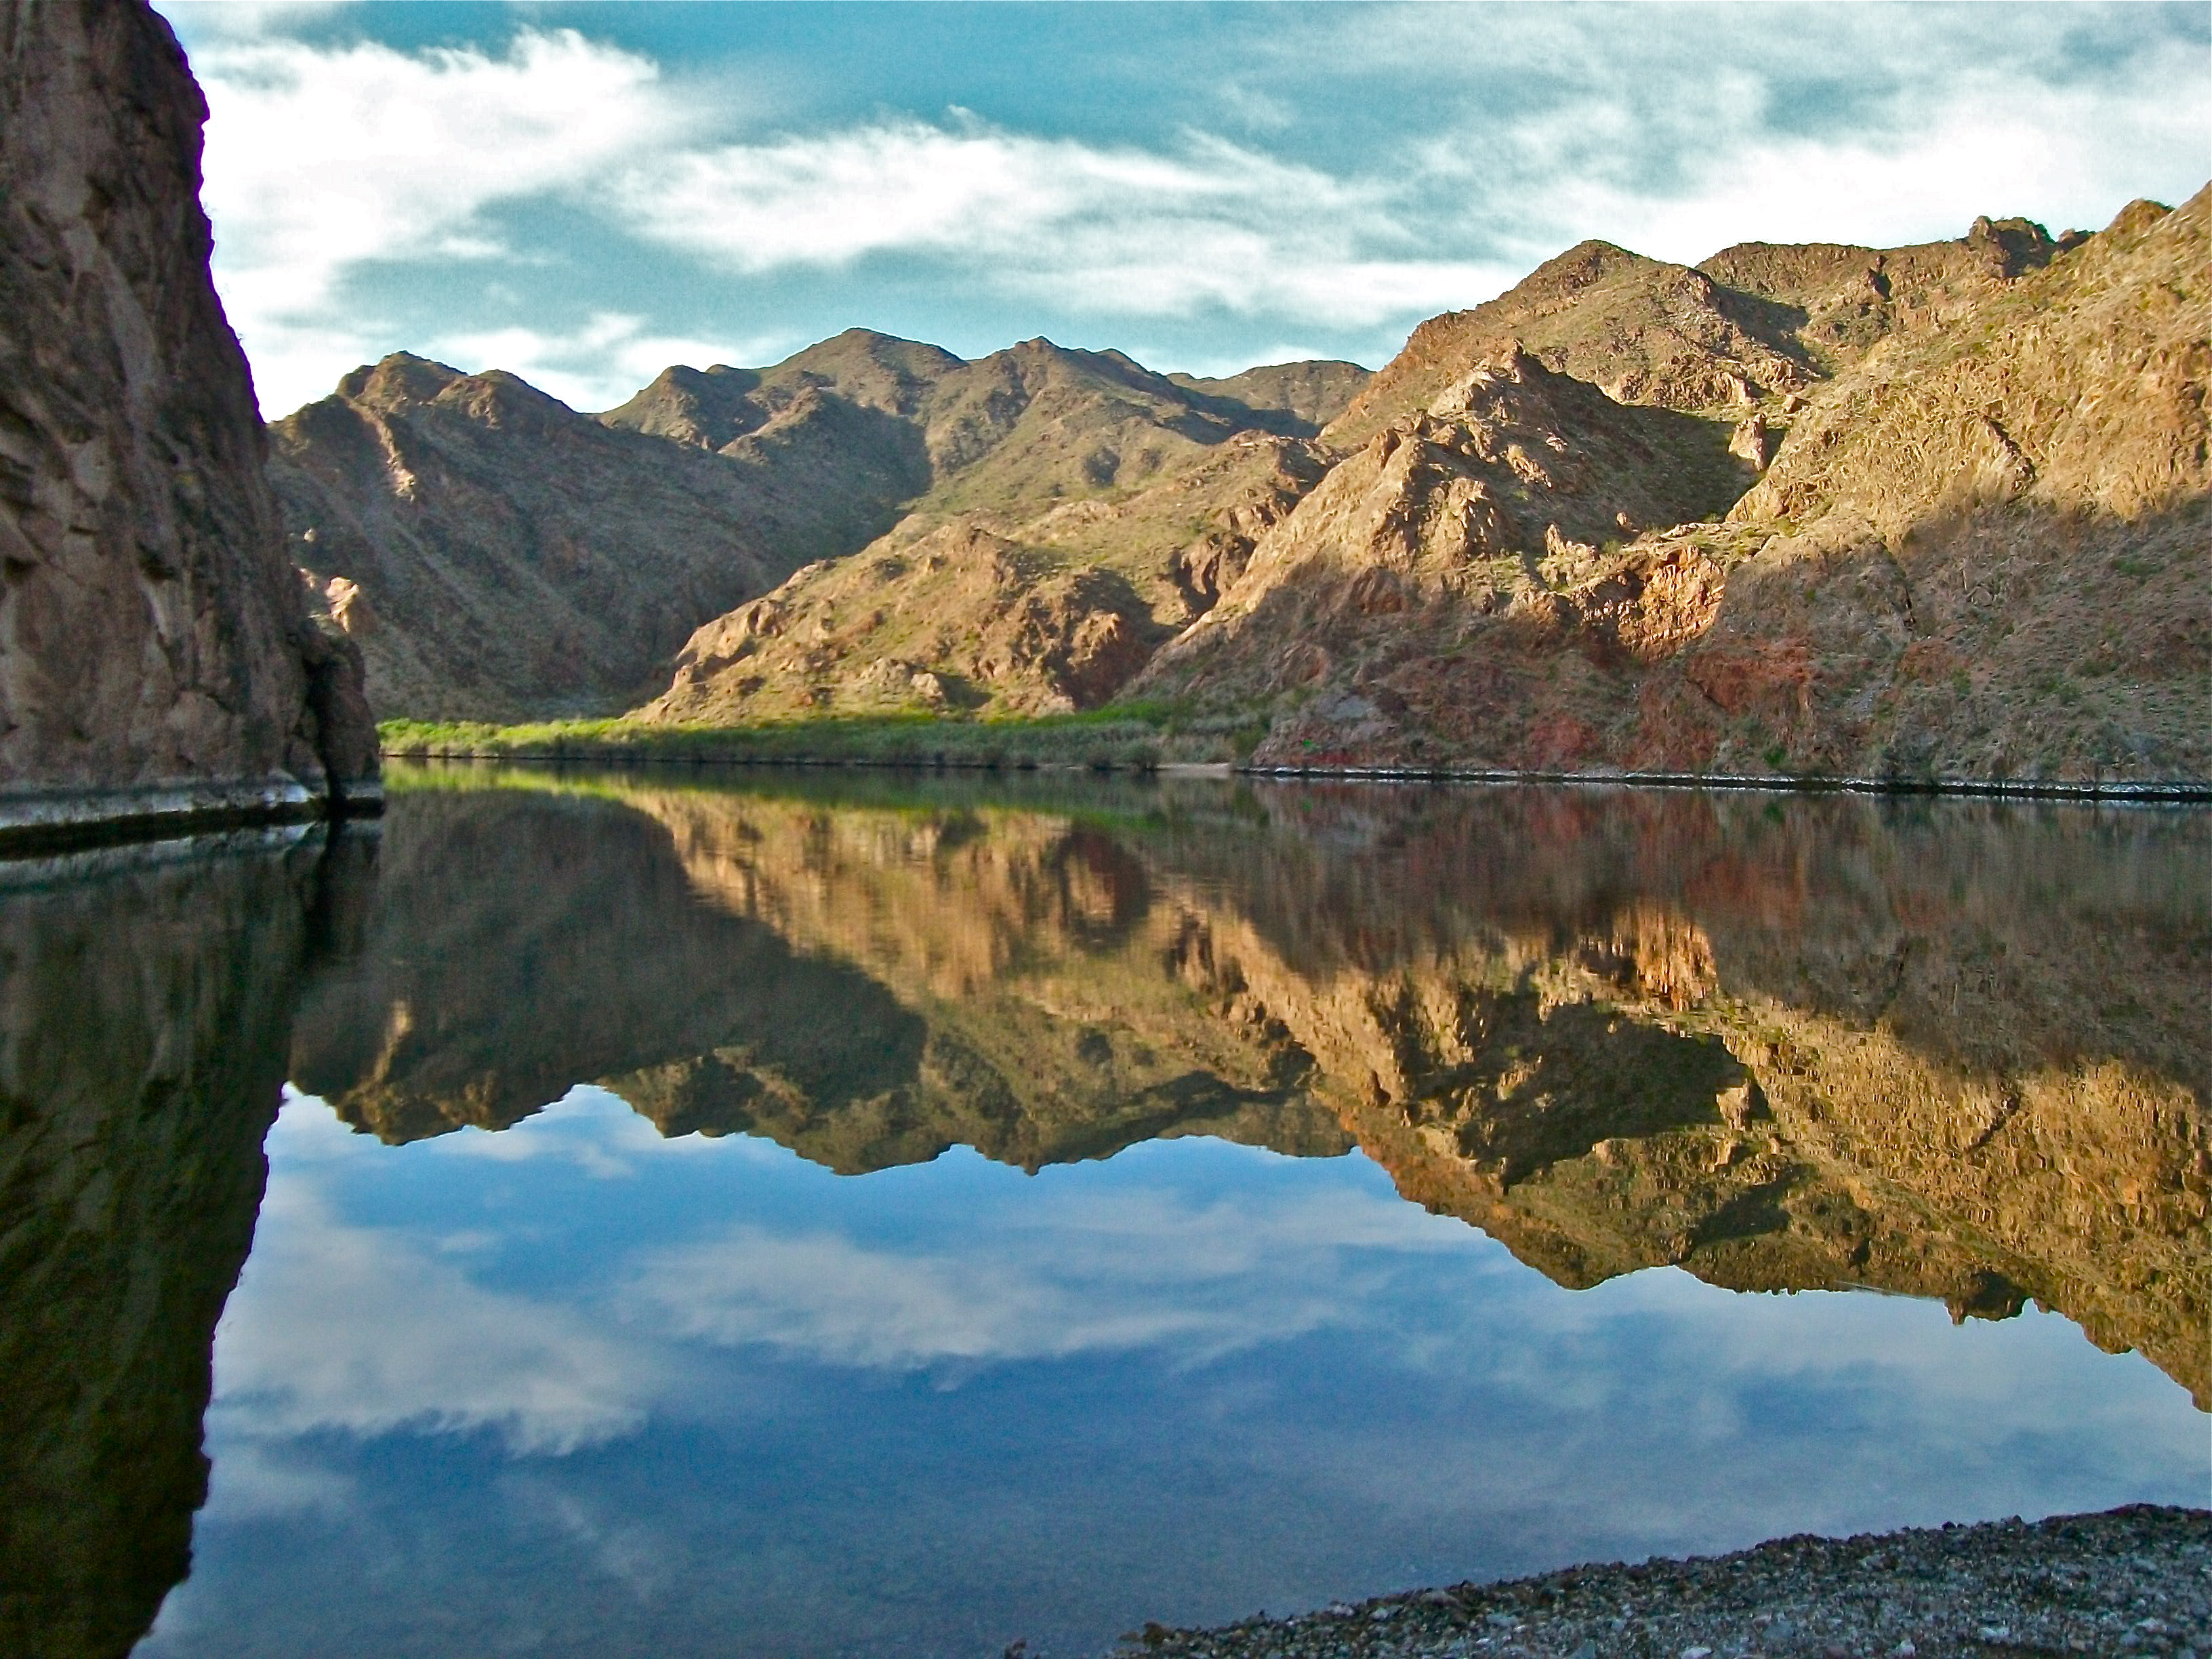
[(2134, 1580), (63, 821), (2182, 790), (33, 825)]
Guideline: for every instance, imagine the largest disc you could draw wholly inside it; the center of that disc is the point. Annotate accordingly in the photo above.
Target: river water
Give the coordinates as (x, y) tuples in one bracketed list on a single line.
[(672, 1214)]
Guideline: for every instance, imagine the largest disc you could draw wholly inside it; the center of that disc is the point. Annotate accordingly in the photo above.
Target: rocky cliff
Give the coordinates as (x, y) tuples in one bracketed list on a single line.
[(1913, 513), (1976, 550), (155, 657), (1539, 539), (1754, 325), (498, 556), (978, 610)]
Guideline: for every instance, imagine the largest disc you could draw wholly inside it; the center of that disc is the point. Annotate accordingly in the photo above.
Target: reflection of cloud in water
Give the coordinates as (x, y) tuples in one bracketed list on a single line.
[(1688, 1413), (368, 1330), (1278, 1367), (1094, 1272), (375, 1329)]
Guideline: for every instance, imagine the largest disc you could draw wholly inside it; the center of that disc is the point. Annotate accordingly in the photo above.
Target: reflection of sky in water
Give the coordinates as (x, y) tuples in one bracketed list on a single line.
[(573, 1389)]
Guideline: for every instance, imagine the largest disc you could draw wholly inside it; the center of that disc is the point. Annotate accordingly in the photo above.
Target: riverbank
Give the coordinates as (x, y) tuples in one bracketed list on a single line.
[(1140, 739), (2136, 1580), (35, 822)]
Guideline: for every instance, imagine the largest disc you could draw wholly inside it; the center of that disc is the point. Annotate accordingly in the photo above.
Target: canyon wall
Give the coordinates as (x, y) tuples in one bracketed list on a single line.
[(156, 660)]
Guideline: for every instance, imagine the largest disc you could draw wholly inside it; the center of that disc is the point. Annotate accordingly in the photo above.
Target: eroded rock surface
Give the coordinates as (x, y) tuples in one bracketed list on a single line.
[(1977, 552), (497, 555), (155, 653)]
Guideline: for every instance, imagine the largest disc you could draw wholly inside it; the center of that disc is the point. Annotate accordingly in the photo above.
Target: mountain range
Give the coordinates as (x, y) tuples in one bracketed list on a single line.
[(1937, 510)]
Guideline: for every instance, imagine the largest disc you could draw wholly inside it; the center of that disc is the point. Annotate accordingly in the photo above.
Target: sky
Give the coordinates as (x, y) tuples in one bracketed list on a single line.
[(585, 193)]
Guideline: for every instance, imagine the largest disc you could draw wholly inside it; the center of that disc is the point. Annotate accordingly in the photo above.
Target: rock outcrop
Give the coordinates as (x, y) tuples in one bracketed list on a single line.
[(157, 659), (1977, 551), (1313, 392), (1920, 513), (988, 611), (1510, 490), (1755, 324), (498, 556)]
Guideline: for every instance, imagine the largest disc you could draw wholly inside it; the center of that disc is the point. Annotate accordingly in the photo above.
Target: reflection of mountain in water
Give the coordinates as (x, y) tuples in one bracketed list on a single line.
[(1958, 1052), (144, 1017), (868, 989)]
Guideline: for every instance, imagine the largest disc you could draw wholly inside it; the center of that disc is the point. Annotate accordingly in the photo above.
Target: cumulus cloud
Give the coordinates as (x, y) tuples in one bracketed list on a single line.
[(366, 1330), (1678, 129), (1990, 146), (1390, 162), (321, 159)]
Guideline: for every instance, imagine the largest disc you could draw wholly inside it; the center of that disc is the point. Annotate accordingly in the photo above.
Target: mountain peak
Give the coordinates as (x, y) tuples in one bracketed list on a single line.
[(397, 381)]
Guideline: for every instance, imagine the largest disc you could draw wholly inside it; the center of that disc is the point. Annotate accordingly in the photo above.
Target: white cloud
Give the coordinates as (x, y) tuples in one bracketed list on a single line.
[(2070, 156), (335, 1326), (1116, 230), (357, 188), (319, 159)]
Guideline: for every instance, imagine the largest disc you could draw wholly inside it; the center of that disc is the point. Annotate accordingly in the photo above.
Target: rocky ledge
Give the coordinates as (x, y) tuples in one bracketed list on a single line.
[(2130, 1581)]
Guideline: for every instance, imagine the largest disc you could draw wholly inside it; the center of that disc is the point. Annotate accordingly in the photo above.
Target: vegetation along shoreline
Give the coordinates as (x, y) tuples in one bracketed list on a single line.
[(1112, 742)]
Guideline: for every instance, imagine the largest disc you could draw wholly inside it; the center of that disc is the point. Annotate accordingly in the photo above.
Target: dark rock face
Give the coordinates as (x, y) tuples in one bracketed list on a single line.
[(144, 1020), (155, 656)]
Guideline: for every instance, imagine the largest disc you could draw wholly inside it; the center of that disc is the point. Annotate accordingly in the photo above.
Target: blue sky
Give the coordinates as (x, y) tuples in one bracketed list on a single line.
[(586, 193)]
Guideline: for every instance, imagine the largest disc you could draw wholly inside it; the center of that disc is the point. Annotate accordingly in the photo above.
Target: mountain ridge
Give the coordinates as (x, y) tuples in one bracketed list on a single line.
[(1584, 525), (428, 507)]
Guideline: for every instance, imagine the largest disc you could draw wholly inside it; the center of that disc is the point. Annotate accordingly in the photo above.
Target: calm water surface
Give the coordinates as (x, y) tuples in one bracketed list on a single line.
[(858, 1216)]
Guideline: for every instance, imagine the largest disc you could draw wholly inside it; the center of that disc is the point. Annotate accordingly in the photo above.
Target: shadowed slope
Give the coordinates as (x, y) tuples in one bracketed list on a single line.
[(1977, 553)]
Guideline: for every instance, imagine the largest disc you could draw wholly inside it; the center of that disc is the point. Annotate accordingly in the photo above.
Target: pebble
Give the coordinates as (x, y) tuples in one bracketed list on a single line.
[(2071, 1585)]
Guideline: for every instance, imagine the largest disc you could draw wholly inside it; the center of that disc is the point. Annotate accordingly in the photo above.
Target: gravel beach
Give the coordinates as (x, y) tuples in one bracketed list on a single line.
[(2130, 1581)]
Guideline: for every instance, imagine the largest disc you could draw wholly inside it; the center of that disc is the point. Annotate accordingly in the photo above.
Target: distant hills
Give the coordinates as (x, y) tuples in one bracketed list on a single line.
[(499, 556), (1939, 509)]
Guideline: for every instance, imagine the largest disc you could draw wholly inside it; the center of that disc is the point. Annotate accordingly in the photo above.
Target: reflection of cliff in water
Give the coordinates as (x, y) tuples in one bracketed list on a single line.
[(1957, 1051), (144, 1017), (526, 943)]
